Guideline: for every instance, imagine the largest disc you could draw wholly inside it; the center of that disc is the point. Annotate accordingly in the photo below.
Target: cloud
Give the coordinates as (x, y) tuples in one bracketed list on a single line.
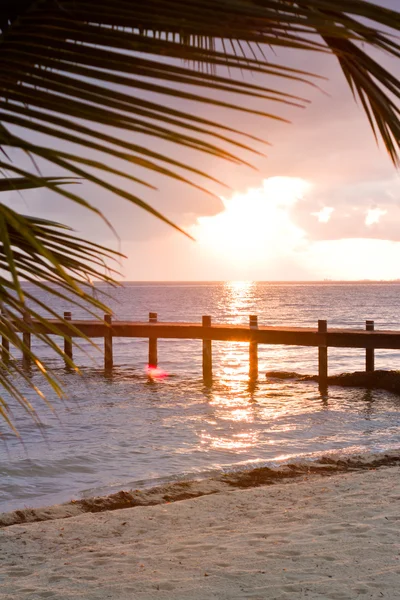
[(374, 215), (366, 209), (324, 214)]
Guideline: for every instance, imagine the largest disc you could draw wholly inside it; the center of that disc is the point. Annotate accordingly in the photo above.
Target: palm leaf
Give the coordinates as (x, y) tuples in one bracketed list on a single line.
[(48, 255), (61, 61)]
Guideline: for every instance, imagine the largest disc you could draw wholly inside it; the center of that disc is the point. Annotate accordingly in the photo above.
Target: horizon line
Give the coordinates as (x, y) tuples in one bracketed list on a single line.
[(307, 281)]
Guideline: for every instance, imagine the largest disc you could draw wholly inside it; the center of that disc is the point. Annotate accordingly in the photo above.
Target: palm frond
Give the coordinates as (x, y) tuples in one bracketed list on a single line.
[(63, 64), (12, 184), (57, 262)]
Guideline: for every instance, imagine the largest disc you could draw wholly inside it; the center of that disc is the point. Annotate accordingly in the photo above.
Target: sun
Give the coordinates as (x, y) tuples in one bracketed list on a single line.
[(254, 226)]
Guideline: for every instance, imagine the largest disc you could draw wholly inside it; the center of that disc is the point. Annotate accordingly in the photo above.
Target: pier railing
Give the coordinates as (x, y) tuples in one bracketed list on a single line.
[(320, 337)]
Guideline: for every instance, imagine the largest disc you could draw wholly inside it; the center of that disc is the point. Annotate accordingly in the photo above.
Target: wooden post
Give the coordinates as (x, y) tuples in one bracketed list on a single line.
[(253, 350), (26, 338), (153, 355), (5, 344), (322, 354), (108, 343), (369, 352), (68, 340), (207, 354)]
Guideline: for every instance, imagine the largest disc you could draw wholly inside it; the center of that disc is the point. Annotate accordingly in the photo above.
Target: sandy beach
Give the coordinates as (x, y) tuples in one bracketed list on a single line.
[(334, 537)]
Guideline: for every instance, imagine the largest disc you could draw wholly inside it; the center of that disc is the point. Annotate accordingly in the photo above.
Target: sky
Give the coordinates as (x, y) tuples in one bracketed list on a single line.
[(324, 203)]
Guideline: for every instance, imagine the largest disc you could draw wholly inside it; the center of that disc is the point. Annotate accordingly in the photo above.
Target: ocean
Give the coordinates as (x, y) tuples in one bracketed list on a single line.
[(125, 431)]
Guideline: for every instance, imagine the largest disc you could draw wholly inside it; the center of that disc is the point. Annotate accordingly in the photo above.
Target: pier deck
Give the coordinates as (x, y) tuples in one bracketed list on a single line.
[(320, 337), (291, 336)]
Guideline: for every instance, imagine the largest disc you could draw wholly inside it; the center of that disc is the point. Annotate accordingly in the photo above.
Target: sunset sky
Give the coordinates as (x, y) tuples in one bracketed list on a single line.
[(323, 204)]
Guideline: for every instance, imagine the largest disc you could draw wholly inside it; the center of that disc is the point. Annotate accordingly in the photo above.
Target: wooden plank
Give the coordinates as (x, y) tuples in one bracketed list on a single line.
[(108, 343), (370, 352), (253, 350), (293, 336), (365, 339), (207, 352), (195, 331), (153, 352)]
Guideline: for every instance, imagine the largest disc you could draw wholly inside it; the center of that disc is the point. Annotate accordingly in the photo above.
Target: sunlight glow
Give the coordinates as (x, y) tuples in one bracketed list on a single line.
[(254, 225), (240, 285), (240, 442), (239, 300)]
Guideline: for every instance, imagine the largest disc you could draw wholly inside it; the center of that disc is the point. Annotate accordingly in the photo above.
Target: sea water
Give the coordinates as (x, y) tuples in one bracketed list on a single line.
[(124, 430)]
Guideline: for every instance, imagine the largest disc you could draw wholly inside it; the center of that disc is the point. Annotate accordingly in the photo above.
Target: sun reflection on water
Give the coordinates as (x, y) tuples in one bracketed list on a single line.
[(232, 369), (238, 404), (239, 442), (238, 300), (230, 396)]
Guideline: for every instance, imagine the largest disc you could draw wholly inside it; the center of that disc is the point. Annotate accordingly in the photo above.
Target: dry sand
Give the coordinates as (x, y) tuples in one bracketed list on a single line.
[(331, 537)]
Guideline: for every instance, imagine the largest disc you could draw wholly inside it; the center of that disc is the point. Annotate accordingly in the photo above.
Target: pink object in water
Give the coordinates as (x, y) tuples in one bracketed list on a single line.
[(155, 372)]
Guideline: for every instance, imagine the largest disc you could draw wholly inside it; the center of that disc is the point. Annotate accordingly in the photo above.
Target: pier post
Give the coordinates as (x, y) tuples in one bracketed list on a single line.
[(26, 338), (153, 355), (207, 353), (5, 344), (68, 340), (322, 354), (369, 352), (108, 343), (253, 350)]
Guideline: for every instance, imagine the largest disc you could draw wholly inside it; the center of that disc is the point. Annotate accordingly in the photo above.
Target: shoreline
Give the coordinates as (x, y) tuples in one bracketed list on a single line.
[(331, 538), (327, 465)]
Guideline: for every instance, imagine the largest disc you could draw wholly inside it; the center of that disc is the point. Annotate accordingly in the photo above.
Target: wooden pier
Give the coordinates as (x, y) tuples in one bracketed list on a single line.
[(320, 337)]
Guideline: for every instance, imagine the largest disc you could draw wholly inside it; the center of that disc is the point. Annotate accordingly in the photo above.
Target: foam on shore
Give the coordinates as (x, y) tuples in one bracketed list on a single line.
[(184, 490)]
